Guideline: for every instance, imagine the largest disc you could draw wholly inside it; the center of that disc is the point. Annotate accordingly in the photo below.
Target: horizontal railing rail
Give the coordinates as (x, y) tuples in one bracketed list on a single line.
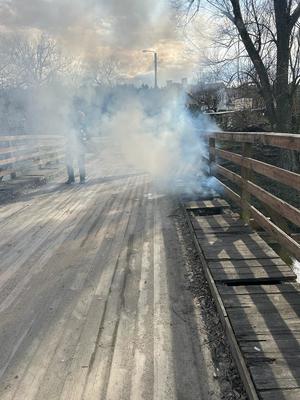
[(20, 151), (279, 212), (282, 140)]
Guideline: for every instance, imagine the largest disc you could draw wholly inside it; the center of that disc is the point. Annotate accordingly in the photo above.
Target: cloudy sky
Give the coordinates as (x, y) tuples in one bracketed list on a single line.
[(100, 28)]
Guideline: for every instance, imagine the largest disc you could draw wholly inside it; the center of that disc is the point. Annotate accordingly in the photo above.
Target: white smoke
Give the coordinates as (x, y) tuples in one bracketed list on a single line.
[(156, 132), (162, 138), (93, 29), (296, 268)]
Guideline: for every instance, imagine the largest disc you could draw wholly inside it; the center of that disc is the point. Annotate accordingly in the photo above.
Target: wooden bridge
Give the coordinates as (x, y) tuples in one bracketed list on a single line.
[(252, 286), (94, 301), (18, 154)]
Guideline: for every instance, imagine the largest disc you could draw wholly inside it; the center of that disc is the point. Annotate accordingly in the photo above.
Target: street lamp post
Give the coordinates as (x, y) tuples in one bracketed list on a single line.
[(155, 65)]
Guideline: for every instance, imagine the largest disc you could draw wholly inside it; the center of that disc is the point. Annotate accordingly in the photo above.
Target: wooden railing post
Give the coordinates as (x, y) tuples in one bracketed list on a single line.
[(277, 214), (212, 154), (13, 175), (39, 155), (246, 175)]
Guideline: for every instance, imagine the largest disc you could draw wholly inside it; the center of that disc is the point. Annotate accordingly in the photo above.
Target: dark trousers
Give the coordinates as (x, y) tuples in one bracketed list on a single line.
[(80, 158)]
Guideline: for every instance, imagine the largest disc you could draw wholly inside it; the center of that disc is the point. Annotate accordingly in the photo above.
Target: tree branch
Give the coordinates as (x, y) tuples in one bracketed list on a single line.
[(294, 17)]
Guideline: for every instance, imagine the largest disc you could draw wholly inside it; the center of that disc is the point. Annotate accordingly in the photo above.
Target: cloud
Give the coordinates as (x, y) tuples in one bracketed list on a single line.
[(97, 28)]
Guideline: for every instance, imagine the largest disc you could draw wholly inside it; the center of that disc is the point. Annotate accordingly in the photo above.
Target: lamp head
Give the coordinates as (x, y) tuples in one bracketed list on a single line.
[(148, 51)]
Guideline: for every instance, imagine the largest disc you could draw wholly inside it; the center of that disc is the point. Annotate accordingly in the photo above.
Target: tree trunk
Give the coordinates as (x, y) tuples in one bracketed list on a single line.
[(277, 97), (282, 92), (265, 85)]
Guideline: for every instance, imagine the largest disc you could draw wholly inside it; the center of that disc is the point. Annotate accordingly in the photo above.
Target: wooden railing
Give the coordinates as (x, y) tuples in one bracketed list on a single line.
[(279, 213), (21, 152)]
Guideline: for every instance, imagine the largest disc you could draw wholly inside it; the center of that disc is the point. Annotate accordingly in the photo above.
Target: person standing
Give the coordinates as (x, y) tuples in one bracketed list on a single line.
[(76, 148)]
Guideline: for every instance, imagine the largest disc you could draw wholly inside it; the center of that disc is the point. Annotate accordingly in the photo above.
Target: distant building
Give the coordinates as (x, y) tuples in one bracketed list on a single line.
[(243, 103), (246, 97), (174, 85), (216, 97), (210, 97), (184, 82)]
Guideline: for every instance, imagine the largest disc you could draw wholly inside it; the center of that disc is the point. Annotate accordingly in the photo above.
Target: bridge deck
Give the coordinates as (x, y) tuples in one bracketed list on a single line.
[(93, 302), (260, 310)]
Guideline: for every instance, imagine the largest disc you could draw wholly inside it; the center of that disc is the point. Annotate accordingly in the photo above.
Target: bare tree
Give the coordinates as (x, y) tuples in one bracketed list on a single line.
[(9, 72), (264, 36), (105, 72), (30, 62)]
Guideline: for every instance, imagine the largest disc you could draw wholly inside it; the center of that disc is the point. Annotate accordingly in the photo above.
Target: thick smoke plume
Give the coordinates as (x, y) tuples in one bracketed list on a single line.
[(159, 135), (93, 29), (155, 131)]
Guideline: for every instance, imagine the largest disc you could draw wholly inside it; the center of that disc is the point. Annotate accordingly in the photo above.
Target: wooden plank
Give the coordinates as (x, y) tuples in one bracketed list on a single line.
[(8, 150), (268, 376), (216, 221), (231, 194), (263, 309), (284, 239), (245, 375), (17, 158), (31, 156), (5, 172), (278, 346), (269, 262), (235, 238), (226, 230), (236, 247), (261, 299), (8, 161), (246, 321), (253, 315), (271, 171), (254, 273), (15, 138), (115, 272), (283, 208), (290, 355), (240, 245), (24, 149), (47, 154), (251, 391), (230, 156), (248, 275), (227, 252), (232, 176), (240, 361), (278, 174), (256, 338), (283, 140), (258, 289), (281, 394), (206, 204)]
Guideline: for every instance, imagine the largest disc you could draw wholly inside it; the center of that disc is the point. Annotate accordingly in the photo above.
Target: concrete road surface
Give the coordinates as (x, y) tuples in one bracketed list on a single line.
[(93, 298)]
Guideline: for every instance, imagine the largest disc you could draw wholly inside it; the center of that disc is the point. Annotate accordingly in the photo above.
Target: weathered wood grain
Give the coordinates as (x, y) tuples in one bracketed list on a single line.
[(263, 320), (283, 140), (206, 204), (92, 304)]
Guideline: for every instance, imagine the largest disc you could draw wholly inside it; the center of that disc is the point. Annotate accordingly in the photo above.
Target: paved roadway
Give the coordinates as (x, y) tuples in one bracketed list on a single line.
[(93, 298)]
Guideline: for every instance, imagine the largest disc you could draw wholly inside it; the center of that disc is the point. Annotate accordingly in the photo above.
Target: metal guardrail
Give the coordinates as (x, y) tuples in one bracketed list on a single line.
[(19, 151), (280, 210)]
